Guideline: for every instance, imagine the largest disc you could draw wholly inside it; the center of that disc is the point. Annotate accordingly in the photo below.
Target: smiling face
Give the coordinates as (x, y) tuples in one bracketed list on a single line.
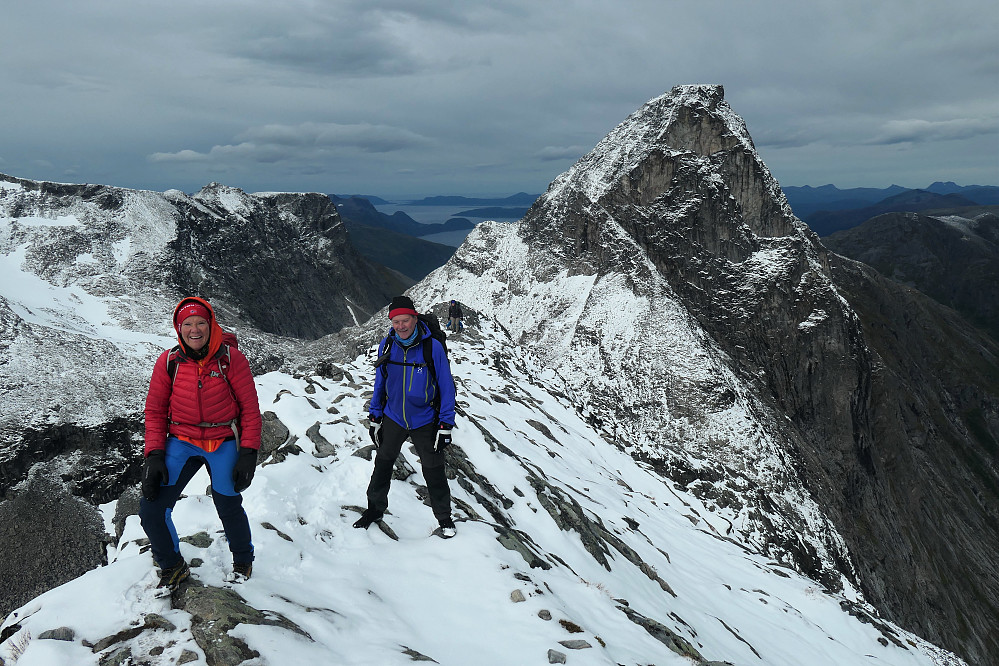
[(194, 332), (403, 325)]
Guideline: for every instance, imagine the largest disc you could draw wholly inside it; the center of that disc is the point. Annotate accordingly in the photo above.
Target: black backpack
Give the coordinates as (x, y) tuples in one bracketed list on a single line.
[(436, 333)]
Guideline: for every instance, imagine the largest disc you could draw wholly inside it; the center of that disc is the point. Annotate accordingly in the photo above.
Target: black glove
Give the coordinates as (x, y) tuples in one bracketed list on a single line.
[(443, 437), (242, 472), (154, 474), (375, 429)]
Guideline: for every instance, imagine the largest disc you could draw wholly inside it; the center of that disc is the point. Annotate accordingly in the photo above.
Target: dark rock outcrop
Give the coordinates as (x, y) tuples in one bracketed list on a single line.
[(951, 258), (921, 511), (284, 261), (47, 537)]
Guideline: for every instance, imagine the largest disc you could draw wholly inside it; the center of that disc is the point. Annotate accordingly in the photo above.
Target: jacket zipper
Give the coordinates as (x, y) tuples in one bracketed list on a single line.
[(201, 405), (405, 389)]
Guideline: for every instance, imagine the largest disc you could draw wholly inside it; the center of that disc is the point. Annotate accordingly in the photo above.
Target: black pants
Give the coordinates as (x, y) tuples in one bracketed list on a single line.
[(393, 436)]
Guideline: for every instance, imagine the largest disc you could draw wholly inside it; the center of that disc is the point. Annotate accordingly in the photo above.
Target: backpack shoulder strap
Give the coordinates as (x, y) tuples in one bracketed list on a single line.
[(384, 352), (171, 364), (428, 356), (224, 358)]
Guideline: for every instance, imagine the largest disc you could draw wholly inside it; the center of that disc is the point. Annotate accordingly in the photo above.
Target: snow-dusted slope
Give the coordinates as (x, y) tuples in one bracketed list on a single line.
[(89, 275), (587, 284), (76, 297), (565, 543), (664, 285)]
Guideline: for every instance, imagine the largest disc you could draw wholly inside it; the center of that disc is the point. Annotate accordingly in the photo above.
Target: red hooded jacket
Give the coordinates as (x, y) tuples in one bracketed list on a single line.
[(198, 403)]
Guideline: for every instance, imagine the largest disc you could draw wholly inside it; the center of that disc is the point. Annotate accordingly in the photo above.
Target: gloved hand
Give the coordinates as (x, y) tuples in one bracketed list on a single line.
[(443, 437), (154, 474), (242, 472), (375, 429)]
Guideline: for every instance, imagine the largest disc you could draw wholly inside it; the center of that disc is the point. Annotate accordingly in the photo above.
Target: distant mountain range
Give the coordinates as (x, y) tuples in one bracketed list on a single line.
[(521, 199), (494, 212), (825, 222), (396, 240), (828, 209), (361, 211)]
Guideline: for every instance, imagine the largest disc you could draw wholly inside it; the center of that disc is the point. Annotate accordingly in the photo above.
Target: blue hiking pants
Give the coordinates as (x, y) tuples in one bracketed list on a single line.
[(183, 460)]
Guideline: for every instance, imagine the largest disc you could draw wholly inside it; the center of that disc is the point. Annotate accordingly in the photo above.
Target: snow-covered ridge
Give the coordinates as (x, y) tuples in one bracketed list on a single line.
[(566, 545), (642, 367), (587, 284)]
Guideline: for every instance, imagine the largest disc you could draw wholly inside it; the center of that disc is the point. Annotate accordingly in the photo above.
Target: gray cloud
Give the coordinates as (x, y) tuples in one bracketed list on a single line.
[(453, 97), (307, 141), (923, 131)]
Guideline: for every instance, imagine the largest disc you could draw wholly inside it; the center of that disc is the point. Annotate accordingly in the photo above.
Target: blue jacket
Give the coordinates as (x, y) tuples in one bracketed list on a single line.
[(405, 393)]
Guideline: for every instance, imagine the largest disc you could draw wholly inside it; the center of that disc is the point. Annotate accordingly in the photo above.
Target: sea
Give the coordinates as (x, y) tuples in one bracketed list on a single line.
[(438, 215)]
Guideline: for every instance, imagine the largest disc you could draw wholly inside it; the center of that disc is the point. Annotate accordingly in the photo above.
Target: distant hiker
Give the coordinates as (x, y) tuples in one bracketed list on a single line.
[(201, 409), (454, 317), (413, 398)]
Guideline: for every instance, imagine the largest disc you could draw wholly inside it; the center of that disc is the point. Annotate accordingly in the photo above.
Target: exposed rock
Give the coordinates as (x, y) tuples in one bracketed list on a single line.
[(416, 656), (521, 542), (119, 657), (187, 656), (556, 657), (60, 634), (214, 612), (570, 626), (198, 540), (127, 505), (273, 435), (324, 449), (229, 245), (156, 621), (952, 259), (47, 537), (120, 637), (663, 634), (100, 462), (281, 534)]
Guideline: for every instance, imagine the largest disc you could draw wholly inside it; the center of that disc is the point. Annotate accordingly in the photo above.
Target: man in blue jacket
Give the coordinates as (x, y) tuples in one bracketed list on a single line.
[(409, 403)]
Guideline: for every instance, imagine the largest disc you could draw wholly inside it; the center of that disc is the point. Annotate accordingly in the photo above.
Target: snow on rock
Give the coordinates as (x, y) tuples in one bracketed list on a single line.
[(587, 285), (599, 547)]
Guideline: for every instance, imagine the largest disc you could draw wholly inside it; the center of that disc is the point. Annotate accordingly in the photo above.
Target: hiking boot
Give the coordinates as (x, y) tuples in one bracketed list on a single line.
[(241, 571), (369, 516), (447, 528), (172, 577)]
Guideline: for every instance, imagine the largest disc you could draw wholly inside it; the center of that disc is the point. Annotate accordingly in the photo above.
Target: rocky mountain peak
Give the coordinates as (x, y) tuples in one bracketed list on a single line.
[(684, 162), (664, 284), (659, 278)]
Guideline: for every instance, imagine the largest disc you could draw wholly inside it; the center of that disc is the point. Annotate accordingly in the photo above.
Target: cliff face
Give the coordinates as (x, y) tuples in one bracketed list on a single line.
[(952, 257), (665, 284), (284, 260), (922, 522), (90, 276)]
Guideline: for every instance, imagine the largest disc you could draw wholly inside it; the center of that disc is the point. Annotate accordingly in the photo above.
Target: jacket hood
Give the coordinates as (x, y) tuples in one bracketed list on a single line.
[(215, 332)]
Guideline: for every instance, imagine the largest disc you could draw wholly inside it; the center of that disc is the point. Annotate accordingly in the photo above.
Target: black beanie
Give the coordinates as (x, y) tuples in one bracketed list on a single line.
[(402, 305)]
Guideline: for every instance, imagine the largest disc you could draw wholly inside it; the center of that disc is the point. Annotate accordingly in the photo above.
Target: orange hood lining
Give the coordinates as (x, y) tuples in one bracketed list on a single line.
[(214, 330)]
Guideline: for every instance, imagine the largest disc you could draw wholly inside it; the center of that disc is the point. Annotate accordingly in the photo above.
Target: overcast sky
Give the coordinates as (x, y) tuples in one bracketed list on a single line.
[(410, 98)]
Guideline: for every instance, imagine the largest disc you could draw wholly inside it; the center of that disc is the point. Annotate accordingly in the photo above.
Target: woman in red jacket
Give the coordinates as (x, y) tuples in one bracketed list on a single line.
[(201, 409)]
